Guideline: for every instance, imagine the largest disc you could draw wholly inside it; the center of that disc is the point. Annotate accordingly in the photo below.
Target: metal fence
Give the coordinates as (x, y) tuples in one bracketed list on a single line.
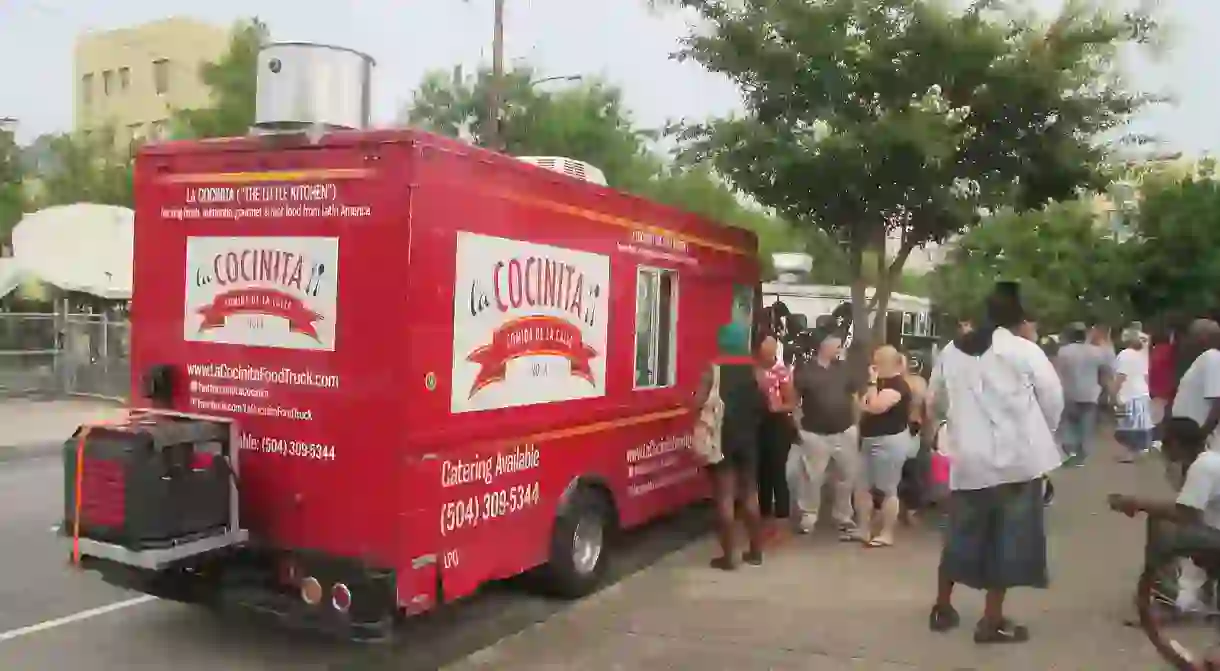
[(64, 354)]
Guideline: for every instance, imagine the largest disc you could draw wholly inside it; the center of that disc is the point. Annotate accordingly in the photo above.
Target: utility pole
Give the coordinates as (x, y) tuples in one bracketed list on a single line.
[(495, 90)]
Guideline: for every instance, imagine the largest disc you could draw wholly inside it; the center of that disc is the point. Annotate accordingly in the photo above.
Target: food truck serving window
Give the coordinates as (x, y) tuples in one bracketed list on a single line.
[(656, 316)]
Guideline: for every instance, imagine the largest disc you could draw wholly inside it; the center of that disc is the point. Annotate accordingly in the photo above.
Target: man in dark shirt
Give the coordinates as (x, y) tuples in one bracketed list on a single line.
[(829, 406)]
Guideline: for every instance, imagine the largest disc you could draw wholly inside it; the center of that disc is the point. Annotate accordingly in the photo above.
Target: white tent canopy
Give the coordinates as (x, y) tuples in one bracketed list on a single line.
[(10, 276), (83, 247)]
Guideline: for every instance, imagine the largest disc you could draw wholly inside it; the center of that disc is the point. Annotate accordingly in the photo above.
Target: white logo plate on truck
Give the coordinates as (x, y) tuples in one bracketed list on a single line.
[(262, 291)]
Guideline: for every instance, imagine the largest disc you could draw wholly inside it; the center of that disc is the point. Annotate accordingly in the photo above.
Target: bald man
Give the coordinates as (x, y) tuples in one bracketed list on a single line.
[(1199, 391)]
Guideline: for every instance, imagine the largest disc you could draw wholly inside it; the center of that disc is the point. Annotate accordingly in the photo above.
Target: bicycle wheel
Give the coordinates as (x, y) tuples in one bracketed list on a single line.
[(1185, 639)]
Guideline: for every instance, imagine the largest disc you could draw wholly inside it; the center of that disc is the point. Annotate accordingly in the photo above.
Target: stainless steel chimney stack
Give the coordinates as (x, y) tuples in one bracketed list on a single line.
[(312, 88)]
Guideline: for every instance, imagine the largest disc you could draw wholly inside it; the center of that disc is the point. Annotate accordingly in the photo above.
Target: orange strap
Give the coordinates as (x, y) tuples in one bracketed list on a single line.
[(80, 477)]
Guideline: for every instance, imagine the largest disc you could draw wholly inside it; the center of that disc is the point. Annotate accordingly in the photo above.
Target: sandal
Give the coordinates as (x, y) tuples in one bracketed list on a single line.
[(723, 564), (753, 558), (1006, 631), (879, 543), (943, 618)]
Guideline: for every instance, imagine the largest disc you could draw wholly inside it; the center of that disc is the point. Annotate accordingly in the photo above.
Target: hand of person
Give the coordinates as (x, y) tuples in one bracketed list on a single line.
[(1123, 504)]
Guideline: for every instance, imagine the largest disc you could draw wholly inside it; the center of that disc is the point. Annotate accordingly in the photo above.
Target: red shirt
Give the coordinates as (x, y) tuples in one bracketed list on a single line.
[(1160, 371)]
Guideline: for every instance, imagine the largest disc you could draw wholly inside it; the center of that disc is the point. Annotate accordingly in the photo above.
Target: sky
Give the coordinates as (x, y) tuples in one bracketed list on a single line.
[(618, 39)]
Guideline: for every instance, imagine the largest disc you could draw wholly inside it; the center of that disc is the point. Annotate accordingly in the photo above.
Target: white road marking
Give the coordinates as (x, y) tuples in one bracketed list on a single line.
[(75, 617)]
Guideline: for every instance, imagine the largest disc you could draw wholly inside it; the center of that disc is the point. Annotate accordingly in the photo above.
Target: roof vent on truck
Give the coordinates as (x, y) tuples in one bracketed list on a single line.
[(792, 267), (311, 89), (568, 166)]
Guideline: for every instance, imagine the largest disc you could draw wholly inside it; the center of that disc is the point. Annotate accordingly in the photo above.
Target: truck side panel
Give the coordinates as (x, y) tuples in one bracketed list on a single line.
[(520, 282)]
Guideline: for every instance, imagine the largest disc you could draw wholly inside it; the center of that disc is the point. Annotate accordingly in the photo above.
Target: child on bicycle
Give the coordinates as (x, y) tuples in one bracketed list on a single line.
[(1198, 501)]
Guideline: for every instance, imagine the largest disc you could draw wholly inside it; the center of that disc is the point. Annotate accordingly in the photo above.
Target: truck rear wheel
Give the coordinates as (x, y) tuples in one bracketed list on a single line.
[(579, 546)]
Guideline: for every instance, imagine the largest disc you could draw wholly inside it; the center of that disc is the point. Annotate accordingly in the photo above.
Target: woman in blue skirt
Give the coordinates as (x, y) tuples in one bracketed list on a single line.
[(1133, 400)]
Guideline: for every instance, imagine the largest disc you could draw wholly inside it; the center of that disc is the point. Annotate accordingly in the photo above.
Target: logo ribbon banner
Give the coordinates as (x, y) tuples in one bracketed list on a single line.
[(260, 302), (531, 336)]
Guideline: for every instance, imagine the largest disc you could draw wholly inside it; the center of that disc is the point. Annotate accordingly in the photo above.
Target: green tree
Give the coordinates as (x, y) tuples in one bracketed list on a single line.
[(1175, 251), (1069, 266), (868, 118), (12, 198), (86, 167), (233, 81), (588, 122), (698, 190)]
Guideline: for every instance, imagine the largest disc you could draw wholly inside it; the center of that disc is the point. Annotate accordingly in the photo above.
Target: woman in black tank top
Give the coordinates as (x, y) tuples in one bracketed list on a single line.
[(884, 444)]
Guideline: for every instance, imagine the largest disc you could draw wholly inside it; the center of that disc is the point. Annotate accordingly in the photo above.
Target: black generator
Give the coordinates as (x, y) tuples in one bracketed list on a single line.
[(149, 483)]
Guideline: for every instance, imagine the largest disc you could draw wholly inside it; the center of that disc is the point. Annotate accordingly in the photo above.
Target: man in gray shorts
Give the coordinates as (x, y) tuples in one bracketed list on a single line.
[(1084, 370)]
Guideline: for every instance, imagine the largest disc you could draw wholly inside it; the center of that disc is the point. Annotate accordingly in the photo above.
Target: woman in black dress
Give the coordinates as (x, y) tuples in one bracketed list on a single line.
[(734, 478)]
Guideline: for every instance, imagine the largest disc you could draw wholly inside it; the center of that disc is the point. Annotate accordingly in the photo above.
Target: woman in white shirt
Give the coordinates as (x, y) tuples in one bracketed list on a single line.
[(1132, 396)]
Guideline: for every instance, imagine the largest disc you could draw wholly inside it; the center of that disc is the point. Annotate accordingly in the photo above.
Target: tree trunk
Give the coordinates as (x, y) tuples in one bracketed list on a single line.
[(857, 353), (887, 276), (881, 297)]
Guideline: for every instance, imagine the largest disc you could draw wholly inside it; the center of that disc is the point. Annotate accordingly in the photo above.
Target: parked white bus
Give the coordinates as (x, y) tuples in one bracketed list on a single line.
[(912, 324)]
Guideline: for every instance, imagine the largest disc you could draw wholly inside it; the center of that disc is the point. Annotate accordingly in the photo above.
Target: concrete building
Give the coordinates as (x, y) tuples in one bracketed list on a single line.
[(132, 79)]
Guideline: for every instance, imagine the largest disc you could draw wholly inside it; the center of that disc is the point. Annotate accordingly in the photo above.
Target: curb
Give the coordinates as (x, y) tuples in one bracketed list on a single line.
[(28, 451)]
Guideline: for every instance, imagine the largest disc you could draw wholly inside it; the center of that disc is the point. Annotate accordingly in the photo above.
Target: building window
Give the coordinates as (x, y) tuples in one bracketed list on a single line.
[(161, 76), (86, 89), (157, 130), (656, 317), (124, 78), (108, 82)]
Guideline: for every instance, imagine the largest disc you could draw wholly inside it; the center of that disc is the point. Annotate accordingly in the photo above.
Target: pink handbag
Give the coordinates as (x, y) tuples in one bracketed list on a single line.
[(939, 470)]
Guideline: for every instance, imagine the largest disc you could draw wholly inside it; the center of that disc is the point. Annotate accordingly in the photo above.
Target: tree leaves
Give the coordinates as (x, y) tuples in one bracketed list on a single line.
[(1177, 234), (906, 117), (590, 122), (86, 167), (1069, 268), (12, 191), (233, 81)]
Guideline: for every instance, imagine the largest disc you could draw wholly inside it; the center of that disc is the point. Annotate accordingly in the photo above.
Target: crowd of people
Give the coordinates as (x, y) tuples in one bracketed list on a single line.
[(974, 447)]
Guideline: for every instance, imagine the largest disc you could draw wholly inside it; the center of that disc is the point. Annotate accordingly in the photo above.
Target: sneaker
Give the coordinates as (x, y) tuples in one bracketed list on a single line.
[(807, 524)]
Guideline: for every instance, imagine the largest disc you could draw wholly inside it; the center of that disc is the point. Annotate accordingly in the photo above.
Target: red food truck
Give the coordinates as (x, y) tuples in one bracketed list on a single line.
[(381, 368)]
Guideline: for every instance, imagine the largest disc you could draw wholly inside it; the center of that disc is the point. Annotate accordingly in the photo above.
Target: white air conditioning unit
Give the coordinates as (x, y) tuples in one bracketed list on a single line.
[(568, 166)]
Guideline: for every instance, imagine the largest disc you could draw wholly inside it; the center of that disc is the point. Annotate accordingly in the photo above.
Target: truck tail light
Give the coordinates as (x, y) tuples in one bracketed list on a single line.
[(340, 597), (311, 591)]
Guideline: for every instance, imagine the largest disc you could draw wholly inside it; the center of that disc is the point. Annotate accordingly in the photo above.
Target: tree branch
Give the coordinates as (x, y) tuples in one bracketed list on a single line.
[(900, 259)]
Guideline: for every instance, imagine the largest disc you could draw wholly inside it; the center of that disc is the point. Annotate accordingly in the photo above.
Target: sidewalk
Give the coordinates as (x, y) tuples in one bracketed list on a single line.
[(824, 606), (34, 427)]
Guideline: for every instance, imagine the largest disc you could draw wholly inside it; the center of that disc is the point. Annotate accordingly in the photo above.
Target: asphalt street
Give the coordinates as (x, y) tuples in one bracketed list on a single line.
[(52, 617)]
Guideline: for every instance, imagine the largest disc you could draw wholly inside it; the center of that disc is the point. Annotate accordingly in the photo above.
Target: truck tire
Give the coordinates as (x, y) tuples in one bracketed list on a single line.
[(579, 554)]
